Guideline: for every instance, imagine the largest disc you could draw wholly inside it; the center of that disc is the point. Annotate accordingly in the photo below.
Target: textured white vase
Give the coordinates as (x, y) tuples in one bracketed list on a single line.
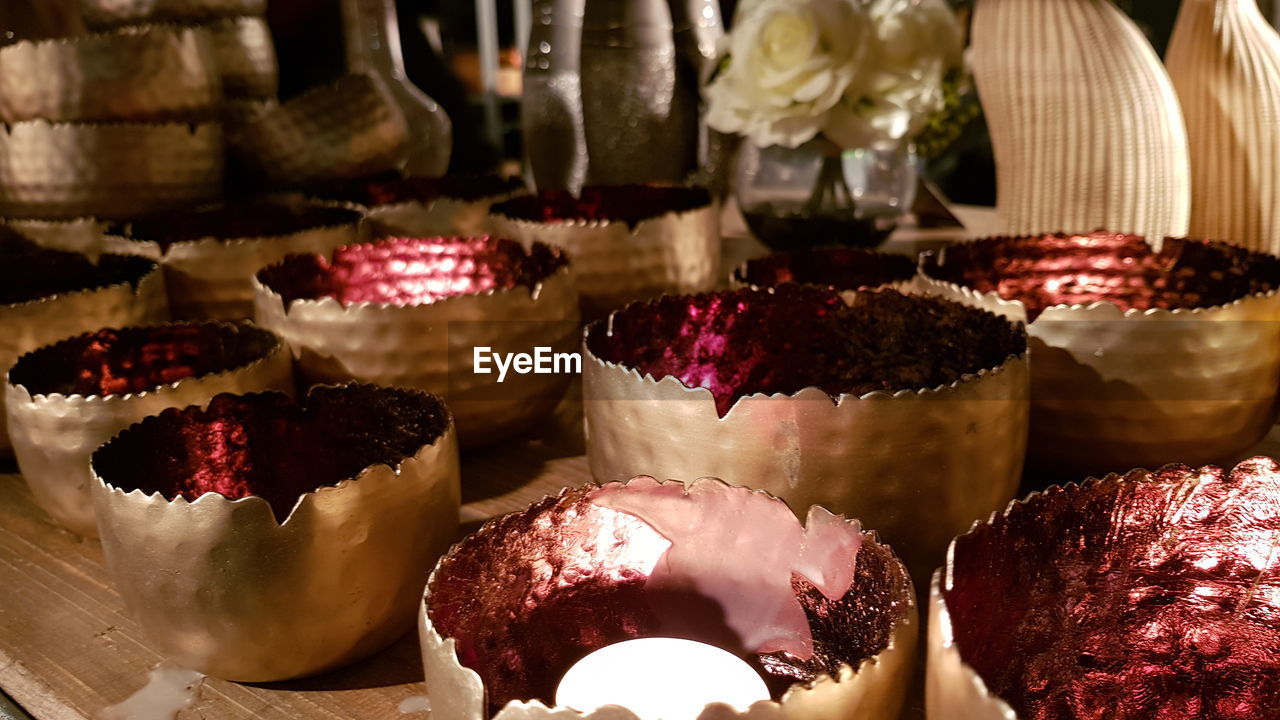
[(1084, 121), (1224, 59)]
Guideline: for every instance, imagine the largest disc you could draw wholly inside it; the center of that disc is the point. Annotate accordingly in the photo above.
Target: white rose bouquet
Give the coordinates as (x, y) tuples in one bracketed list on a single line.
[(860, 72)]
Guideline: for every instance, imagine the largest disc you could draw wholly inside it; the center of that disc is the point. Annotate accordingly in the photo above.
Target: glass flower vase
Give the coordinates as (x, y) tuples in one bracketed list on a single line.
[(818, 194)]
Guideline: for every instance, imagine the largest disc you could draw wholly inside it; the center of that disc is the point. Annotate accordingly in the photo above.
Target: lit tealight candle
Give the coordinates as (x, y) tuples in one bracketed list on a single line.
[(660, 679)]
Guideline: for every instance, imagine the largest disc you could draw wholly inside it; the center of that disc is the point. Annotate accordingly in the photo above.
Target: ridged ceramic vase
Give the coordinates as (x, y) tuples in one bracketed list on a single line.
[(1224, 59), (1084, 120)]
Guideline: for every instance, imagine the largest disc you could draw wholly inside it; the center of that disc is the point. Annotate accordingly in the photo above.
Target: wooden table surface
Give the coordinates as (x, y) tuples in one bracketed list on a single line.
[(68, 650)]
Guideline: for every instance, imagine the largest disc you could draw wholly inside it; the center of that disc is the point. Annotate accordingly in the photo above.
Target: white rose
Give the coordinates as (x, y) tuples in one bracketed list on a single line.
[(790, 62), (916, 43)]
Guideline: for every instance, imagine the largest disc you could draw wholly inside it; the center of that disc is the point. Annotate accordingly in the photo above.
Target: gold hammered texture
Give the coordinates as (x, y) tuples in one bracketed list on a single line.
[(430, 347), (148, 73), (30, 325), (219, 586), (112, 170), (246, 58), (916, 466), (53, 435)]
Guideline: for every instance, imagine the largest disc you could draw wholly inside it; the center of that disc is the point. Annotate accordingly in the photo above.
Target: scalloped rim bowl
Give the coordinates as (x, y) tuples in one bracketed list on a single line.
[(53, 434), (872, 691)]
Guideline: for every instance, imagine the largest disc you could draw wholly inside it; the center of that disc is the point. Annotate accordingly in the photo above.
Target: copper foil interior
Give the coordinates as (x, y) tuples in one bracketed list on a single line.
[(629, 204), (1155, 597), (1122, 269), (410, 271), (229, 222), (781, 341), (841, 268), (391, 187), (265, 444), (29, 272), (534, 592), (136, 359)]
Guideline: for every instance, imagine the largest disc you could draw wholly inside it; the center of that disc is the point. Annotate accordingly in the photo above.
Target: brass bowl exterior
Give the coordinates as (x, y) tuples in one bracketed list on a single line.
[(348, 129), (1113, 390), (431, 347), (79, 235), (27, 326), (150, 73), (56, 171), (873, 691), (916, 466), (444, 217), (614, 264), (112, 13), (246, 58), (213, 277), (221, 588), (54, 435)]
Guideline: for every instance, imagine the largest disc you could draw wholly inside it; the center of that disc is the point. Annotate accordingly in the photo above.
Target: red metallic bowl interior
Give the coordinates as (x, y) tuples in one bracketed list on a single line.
[(781, 341), (137, 359), (411, 271), (1122, 269), (390, 187), (235, 221), (534, 592), (628, 204), (267, 445), (29, 272), (1155, 596), (841, 268)]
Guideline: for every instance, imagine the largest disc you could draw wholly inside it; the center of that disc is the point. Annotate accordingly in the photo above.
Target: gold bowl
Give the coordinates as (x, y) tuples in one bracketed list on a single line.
[(246, 57), (210, 254), (347, 129), (1139, 357), (262, 540), (1148, 595), (49, 295), (413, 311), (57, 171), (66, 399), (907, 412), (628, 242), (142, 73), (824, 612)]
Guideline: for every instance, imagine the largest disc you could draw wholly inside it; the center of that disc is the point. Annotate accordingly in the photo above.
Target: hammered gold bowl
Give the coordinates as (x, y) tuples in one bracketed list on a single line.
[(142, 73), (260, 539), (210, 254), (115, 170), (1139, 357), (907, 412), (823, 611), (413, 311), (1148, 595), (112, 13), (48, 295), (629, 242), (66, 399)]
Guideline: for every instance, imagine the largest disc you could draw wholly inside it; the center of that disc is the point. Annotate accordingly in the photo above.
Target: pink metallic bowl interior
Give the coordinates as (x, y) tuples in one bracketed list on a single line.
[(390, 187), (1122, 269), (1155, 596), (267, 445), (628, 204), (841, 268), (138, 359), (533, 592), (413, 271), (229, 222), (738, 343), (29, 272)]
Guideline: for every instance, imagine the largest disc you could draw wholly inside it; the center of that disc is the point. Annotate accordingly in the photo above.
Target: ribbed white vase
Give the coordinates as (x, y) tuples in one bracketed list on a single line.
[(1084, 121), (1224, 59)]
